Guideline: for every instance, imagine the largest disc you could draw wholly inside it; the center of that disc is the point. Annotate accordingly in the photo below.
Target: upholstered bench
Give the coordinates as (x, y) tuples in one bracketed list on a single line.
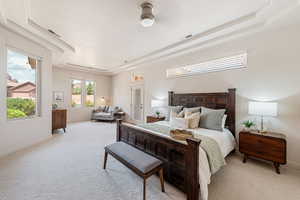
[(139, 162)]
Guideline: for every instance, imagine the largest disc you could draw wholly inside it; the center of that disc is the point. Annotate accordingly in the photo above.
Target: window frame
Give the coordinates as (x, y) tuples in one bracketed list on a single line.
[(38, 79)]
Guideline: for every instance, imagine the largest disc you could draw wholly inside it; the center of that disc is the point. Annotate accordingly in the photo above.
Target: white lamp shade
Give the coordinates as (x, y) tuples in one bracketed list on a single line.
[(157, 103), (263, 108)]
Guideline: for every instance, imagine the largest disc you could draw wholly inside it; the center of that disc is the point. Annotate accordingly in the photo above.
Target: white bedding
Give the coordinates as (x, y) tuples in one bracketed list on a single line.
[(226, 142)]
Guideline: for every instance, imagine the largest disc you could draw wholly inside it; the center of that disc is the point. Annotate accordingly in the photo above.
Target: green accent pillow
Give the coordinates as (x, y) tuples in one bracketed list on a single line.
[(211, 118)]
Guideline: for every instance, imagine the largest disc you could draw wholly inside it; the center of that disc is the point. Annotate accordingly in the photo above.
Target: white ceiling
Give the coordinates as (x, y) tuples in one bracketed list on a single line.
[(106, 33)]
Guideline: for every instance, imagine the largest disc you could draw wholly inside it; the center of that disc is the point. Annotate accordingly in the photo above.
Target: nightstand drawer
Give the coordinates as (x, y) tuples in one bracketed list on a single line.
[(257, 139)]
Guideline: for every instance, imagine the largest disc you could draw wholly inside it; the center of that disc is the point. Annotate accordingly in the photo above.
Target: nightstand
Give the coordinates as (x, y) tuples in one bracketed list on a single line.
[(120, 115), (268, 146), (152, 119)]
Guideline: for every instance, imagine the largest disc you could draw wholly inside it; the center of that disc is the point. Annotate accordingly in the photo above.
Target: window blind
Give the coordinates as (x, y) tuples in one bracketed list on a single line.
[(222, 64)]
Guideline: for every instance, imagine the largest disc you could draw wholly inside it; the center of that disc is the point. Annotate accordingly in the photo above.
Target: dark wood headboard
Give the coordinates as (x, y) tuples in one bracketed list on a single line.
[(222, 100)]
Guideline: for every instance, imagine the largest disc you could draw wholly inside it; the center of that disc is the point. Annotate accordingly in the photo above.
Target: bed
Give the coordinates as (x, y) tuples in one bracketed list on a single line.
[(185, 163)]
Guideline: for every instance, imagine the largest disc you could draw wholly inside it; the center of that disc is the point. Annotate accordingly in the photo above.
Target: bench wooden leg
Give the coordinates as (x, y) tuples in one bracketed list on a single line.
[(105, 159), (144, 190), (161, 177)]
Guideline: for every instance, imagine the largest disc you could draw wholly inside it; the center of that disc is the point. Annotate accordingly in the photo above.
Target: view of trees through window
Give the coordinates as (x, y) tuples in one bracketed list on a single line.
[(76, 93), (21, 85), (90, 93), (79, 88)]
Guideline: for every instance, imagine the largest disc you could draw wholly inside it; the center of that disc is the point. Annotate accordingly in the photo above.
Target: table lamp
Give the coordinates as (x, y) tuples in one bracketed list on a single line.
[(263, 109), (102, 101)]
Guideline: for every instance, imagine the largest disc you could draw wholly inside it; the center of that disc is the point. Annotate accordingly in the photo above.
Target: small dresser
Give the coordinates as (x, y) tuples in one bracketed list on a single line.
[(268, 146), (59, 119), (152, 119)]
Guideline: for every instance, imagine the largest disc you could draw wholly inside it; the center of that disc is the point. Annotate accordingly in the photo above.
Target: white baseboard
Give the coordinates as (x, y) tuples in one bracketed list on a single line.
[(293, 164), (38, 142)]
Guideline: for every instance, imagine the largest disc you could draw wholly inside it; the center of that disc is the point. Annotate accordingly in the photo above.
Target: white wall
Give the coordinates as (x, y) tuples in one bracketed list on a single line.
[(273, 74), (62, 82), (18, 134)]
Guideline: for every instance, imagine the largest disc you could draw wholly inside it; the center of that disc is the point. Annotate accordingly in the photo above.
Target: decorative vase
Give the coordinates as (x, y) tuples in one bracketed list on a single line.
[(247, 129)]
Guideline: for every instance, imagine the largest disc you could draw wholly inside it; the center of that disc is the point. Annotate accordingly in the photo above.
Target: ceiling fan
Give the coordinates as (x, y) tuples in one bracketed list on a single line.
[(147, 17)]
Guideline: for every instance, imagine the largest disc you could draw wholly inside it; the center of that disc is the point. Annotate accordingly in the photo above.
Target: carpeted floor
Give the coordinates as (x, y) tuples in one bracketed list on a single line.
[(69, 167)]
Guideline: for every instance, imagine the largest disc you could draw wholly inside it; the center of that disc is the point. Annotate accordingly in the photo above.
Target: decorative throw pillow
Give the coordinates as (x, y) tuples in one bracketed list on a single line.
[(176, 115), (192, 110), (193, 119), (106, 109), (175, 109), (99, 109), (180, 114), (211, 119), (179, 123)]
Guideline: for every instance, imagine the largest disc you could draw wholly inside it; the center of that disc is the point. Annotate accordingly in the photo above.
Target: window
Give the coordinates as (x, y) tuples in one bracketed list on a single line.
[(76, 93), (89, 93), (222, 64), (83, 93), (22, 85)]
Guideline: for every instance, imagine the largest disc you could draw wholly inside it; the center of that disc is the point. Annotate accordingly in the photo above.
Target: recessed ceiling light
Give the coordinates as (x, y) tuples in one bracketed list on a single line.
[(188, 36), (147, 18), (53, 33)]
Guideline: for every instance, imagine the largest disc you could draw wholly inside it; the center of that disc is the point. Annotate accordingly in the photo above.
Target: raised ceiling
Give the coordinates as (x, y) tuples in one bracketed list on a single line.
[(107, 34)]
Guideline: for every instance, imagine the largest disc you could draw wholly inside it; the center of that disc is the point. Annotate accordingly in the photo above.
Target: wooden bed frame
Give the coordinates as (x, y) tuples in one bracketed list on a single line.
[(181, 161)]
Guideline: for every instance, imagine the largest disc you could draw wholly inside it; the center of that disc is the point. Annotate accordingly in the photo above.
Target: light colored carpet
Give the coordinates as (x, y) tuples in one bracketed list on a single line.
[(69, 166)]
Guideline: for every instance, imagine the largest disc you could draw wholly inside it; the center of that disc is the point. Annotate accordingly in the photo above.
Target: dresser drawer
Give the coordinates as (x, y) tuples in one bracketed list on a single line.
[(273, 149)]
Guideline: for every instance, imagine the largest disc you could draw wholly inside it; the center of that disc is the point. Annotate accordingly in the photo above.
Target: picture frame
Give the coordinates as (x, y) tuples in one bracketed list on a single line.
[(58, 96)]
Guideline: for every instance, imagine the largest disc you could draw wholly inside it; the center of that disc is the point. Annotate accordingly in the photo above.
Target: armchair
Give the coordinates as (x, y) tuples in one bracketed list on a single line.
[(106, 113)]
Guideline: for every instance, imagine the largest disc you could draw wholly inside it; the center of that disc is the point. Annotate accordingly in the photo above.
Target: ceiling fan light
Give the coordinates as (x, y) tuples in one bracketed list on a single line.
[(147, 22), (147, 18)]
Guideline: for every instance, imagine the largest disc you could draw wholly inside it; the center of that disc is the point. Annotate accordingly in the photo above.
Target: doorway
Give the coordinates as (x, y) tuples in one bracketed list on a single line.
[(137, 103)]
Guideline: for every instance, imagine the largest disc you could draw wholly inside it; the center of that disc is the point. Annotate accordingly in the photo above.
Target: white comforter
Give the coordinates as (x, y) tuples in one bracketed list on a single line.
[(226, 142)]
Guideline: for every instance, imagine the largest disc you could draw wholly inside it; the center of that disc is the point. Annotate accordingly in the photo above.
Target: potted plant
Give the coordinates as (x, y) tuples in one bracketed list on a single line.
[(248, 124), (157, 113)]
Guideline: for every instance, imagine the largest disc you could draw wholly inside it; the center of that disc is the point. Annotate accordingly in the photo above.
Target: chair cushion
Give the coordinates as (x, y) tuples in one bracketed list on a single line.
[(140, 160), (102, 114)]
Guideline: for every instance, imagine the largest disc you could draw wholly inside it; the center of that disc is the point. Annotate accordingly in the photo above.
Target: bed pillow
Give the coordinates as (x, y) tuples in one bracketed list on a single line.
[(178, 115), (179, 123), (224, 121), (175, 109), (191, 110), (181, 114), (193, 119), (211, 119)]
